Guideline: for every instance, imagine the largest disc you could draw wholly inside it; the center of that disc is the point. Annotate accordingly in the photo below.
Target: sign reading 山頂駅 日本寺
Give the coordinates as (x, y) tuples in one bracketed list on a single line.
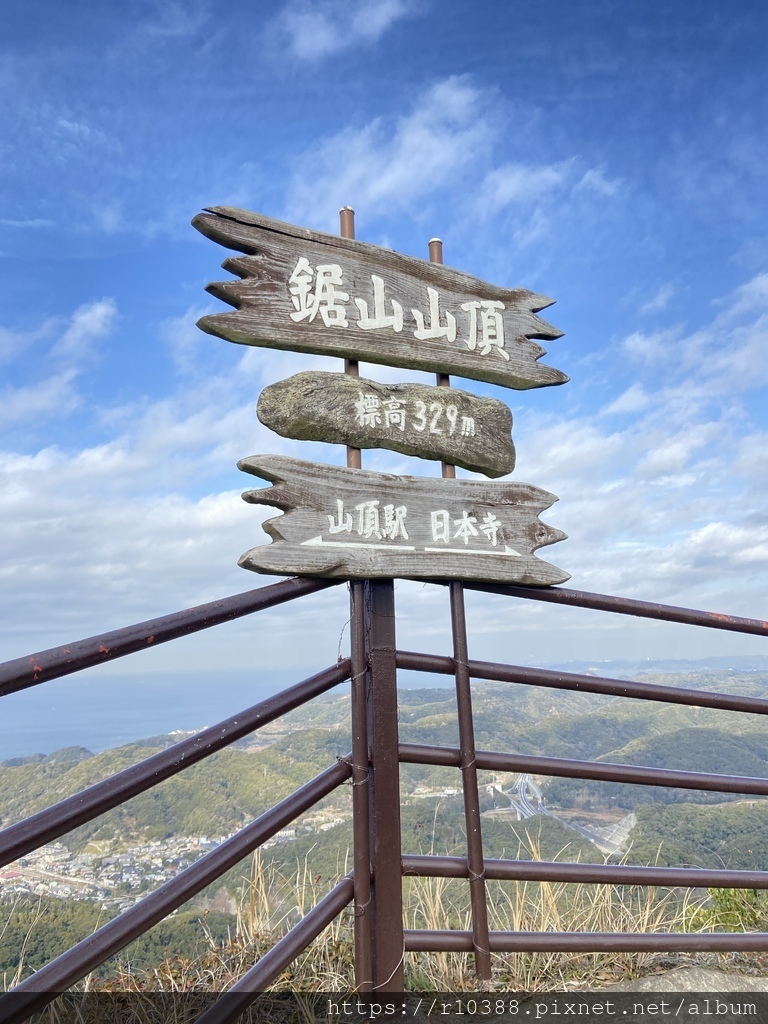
[(312, 292), (356, 523)]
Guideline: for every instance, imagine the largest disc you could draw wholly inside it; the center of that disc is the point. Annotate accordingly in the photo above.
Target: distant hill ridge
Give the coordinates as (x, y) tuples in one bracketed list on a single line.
[(228, 789)]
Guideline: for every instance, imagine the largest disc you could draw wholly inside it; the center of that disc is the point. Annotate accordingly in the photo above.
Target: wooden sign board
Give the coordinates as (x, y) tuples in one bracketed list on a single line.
[(311, 292), (415, 419), (354, 523)]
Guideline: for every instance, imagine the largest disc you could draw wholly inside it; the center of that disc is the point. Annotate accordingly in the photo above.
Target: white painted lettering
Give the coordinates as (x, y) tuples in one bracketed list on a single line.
[(368, 413), (490, 527), (379, 318), (466, 528), (491, 327), (394, 522), (435, 329), (343, 521), (327, 299), (368, 524), (439, 523)]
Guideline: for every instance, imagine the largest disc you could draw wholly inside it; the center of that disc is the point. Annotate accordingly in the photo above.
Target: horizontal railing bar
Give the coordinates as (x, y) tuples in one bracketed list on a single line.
[(419, 865), (413, 753), (626, 606), (418, 941), (239, 997), (586, 684), (61, 973), (95, 650), (60, 818)]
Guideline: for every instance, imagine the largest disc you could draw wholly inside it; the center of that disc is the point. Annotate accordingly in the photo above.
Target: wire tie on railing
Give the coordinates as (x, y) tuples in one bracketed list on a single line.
[(470, 764), (395, 969), (355, 767), (360, 908)]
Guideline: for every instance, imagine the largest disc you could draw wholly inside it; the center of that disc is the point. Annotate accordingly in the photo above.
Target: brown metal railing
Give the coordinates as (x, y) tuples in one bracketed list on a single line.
[(374, 886)]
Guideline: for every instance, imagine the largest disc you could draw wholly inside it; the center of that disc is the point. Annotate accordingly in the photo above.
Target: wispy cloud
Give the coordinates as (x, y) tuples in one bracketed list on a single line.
[(516, 183), (659, 301), (382, 166), (33, 222), (89, 323), (318, 28), (51, 395)]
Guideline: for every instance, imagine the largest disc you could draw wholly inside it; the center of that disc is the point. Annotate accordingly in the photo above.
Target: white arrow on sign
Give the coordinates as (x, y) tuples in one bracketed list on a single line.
[(398, 521)]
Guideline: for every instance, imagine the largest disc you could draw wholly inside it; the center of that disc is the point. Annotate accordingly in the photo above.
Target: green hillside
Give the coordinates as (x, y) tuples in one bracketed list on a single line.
[(222, 792), (733, 836)]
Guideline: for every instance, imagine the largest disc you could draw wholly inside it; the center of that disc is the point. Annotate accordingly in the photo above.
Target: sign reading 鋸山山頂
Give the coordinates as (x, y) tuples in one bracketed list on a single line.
[(311, 292)]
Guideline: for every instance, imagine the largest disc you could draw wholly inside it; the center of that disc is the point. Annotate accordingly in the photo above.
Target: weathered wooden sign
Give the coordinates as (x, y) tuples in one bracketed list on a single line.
[(312, 292), (415, 419), (359, 524)]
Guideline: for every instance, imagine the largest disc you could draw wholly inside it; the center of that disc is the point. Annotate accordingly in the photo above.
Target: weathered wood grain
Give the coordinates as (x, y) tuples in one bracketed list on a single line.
[(359, 524), (363, 302), (415, 419)]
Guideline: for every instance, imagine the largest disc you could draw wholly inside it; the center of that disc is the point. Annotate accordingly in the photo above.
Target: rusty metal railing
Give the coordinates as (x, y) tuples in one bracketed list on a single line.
[(374, 886)]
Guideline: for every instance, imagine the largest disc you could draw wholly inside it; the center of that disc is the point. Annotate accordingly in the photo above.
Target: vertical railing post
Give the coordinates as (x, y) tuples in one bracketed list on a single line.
[(384, 789), (360, 788)]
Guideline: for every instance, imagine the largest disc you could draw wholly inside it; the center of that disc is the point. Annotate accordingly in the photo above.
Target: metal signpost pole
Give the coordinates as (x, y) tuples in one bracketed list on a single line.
[(376, 767), (475, 861), (359, 713)]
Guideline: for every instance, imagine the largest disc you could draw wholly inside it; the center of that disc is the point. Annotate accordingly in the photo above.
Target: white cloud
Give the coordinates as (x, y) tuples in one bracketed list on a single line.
[(377, 168), (318, 28), (653, 347), (34, 222), (750, 296), (659, 301), (16, 343), (55, 394), (634, 399), (90, 322), (594, 180), (516, 183), (52, 395)]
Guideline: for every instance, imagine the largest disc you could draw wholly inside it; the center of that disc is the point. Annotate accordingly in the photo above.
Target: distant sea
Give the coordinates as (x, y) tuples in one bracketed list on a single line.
[(103, 711), (99, 710)]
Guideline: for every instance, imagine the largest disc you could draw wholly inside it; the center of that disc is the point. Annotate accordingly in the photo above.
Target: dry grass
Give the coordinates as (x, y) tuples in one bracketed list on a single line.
[(542, 907), (269, 905)]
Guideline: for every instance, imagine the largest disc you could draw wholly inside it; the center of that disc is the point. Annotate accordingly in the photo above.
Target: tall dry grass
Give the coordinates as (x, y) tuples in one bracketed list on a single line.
[(269, 904)]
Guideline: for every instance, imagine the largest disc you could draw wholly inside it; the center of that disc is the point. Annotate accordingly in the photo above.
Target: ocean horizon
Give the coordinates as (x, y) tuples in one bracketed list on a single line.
[(100, 709)]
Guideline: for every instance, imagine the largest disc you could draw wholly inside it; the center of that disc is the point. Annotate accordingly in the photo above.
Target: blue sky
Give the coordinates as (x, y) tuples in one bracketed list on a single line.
[(612, 156)]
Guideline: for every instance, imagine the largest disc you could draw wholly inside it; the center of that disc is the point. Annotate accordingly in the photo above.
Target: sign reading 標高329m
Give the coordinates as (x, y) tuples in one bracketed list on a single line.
[(312, 292)]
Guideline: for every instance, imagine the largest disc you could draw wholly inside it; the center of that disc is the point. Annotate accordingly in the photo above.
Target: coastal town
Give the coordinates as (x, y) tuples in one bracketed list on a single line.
[(119, 879)]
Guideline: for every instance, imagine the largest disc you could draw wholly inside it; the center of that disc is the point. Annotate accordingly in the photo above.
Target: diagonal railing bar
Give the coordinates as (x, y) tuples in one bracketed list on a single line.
[(423, 866), (70, 967), (60, 661), (586, 684), (242, 994), (418, 941), (55, 821), (624, 606), (412, 753)]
